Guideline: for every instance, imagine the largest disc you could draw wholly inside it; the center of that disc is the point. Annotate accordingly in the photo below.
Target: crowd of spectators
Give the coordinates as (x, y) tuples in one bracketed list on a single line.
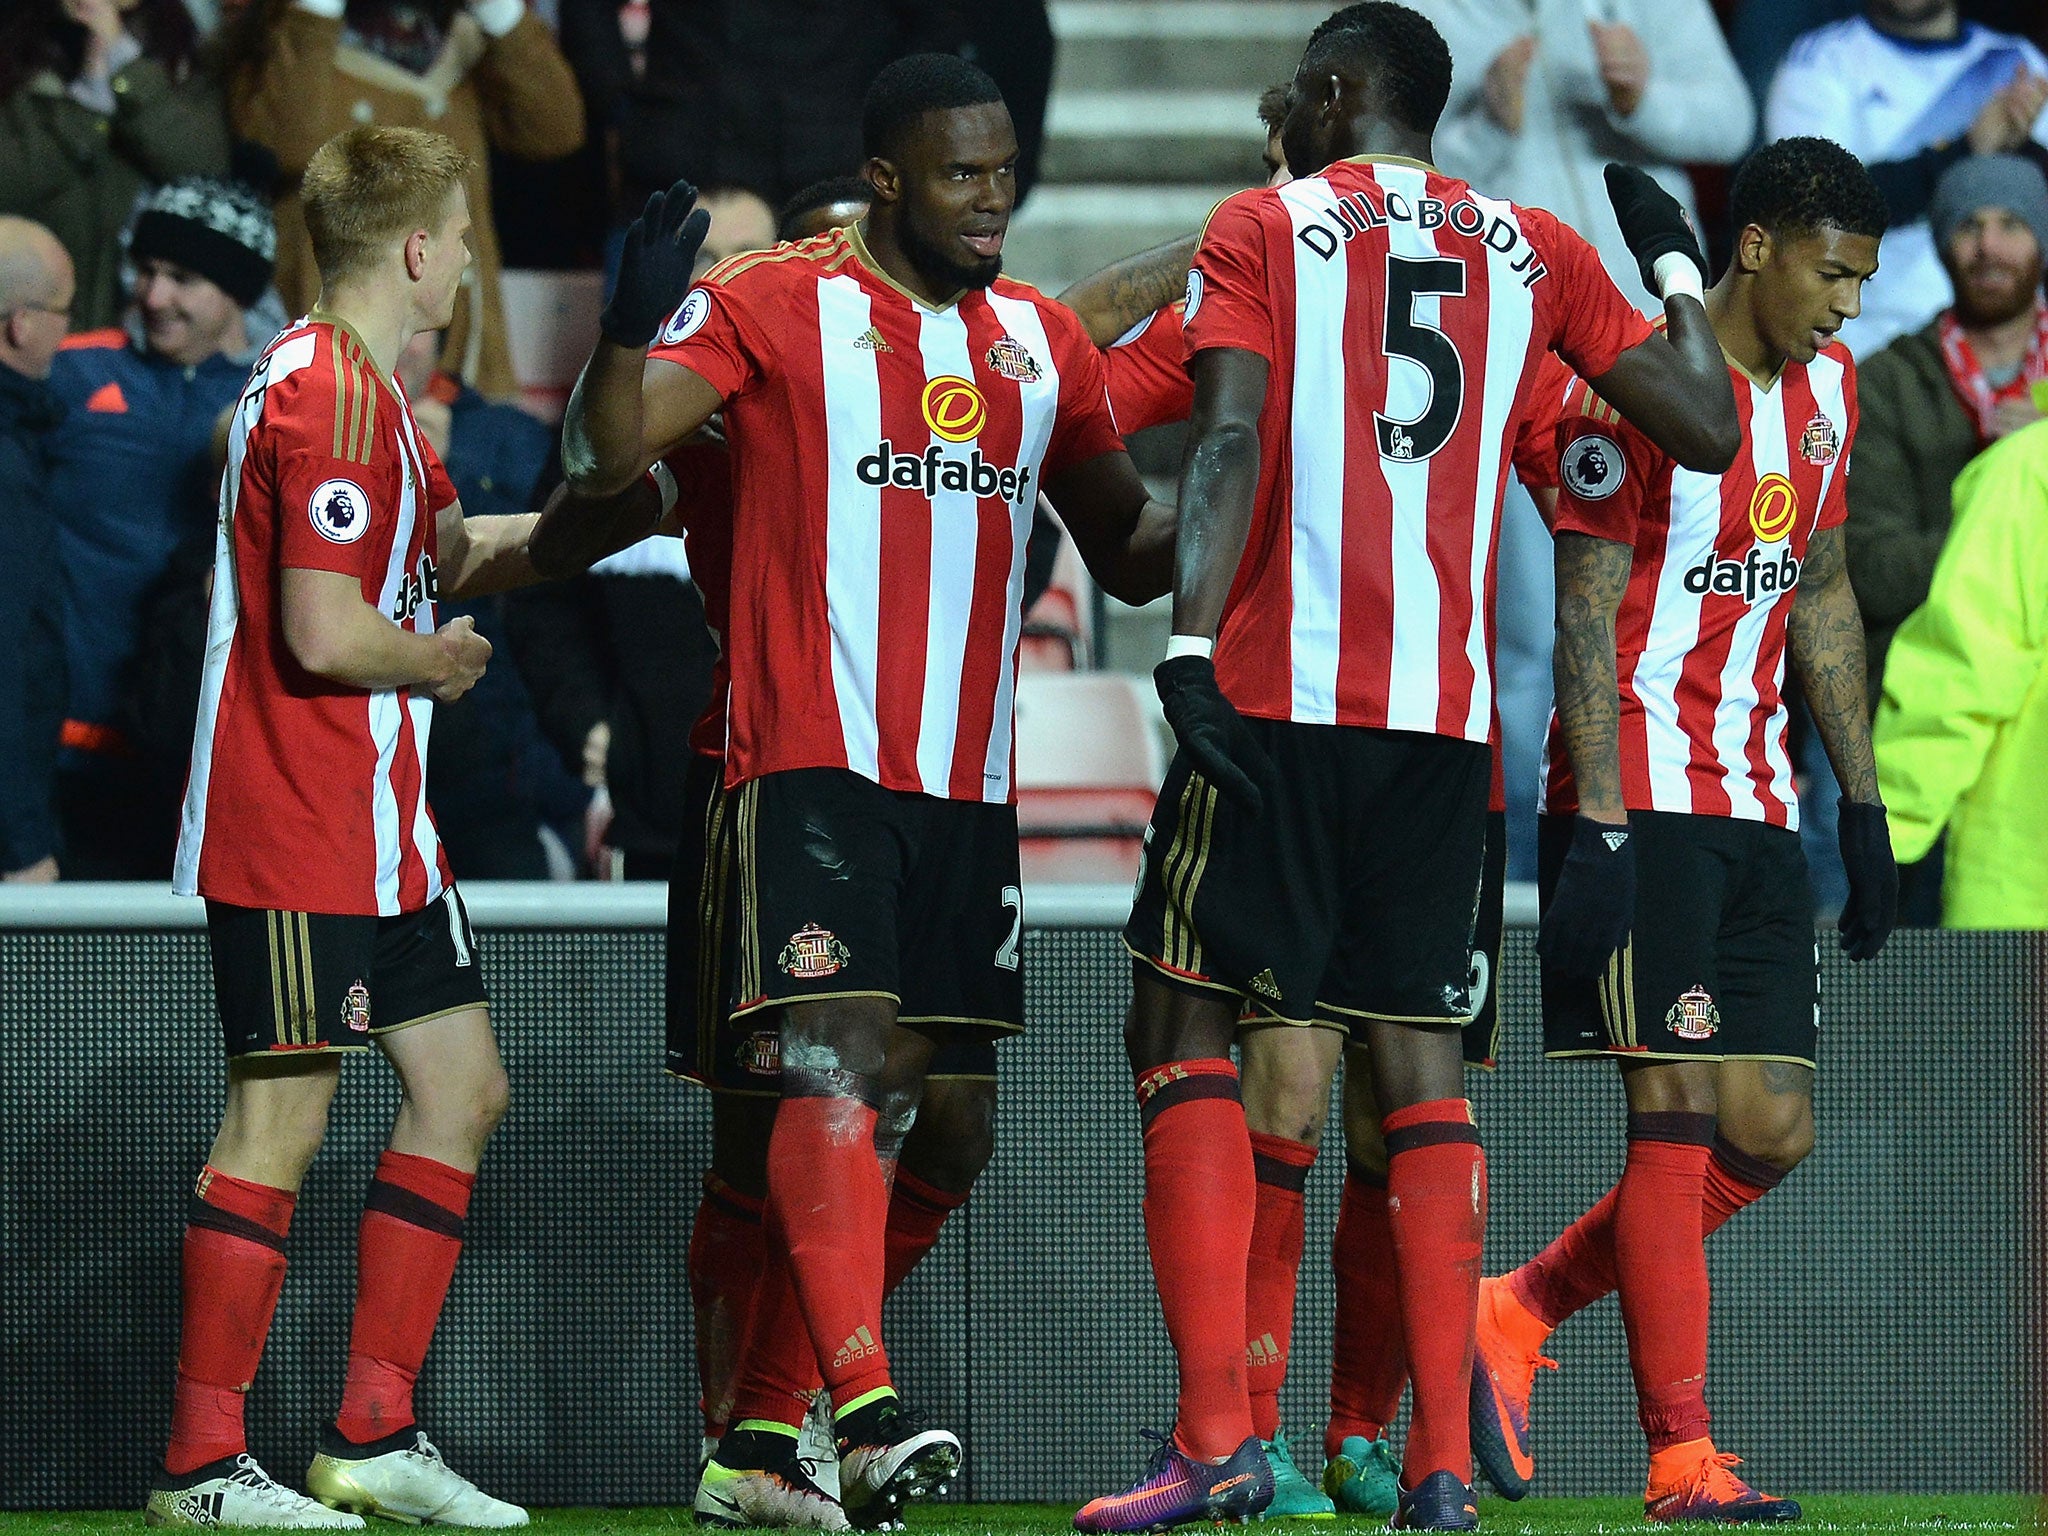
[(150, 243)]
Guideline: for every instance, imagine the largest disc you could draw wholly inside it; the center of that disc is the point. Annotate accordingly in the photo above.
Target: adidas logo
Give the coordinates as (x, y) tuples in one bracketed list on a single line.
[(858, 1346), (1266, 984), (200, 1508), (1614, 840), (1263, 1351), (870, 340)]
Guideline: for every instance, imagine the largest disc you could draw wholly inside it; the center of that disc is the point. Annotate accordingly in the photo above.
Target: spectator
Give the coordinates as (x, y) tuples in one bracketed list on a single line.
[(766, 93), (132, 478), (1550, 95), (740, 221), (1933, 399), (1909, 88), (493, 780), (36, 290), (100, 99), (1650, 82), (1962, 732), (485, 73)]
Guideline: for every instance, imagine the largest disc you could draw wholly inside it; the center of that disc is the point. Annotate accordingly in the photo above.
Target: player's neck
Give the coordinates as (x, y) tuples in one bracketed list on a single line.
[(1368, 137), (1735, 328), (1938, 28), (383, 323), (877, 237)]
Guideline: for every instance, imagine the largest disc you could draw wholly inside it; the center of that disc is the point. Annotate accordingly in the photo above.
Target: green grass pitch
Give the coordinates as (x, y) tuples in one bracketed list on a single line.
[(1839, 1512)]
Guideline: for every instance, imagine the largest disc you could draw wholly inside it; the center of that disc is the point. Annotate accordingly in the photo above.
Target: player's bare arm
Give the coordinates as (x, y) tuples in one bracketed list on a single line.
[(1219, 479), (1825, 639), (610, 433), (1113, 300), (1674, 386), (480, 555), (334, 634), (1592, 575), (1124, 537)]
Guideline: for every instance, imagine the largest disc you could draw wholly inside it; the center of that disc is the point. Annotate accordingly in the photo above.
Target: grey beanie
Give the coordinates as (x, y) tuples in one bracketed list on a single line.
[(1990, 181)]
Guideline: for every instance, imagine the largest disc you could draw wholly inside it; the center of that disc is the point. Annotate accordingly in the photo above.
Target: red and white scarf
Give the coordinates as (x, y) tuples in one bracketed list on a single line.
[(1967, 374)]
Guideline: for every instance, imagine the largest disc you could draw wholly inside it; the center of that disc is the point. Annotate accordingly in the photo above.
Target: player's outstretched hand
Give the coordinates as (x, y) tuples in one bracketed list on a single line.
[(1652, 221), (1590, 912), (655, 266), (1872, 910), (464, 655), (1211, 731)]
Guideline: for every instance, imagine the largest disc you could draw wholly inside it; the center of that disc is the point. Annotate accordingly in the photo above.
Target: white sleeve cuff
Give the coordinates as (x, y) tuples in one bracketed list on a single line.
[(664, 480), (496, 17), (331, 9), (1190, 645), (1678, 273)]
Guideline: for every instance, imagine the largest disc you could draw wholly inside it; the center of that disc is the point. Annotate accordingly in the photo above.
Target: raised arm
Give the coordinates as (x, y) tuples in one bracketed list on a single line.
[(625, 411), (1825, 638), (1675, 386), (1113, 300)]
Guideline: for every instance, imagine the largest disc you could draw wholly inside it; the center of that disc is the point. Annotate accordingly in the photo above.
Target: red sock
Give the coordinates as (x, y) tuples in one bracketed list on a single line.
[(233, 1268), (917, 1212), (1575, 1271), (1369, 1357), (1436, 1204), (778, 1365), (828, 1197), (1578, 1268), (1281, 1169), (1660, 1251), (1199, 1200), (406, 1248), (725, 1276)]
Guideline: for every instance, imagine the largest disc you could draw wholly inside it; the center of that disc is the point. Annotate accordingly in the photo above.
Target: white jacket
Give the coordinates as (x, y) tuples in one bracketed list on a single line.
[(1696, 109)]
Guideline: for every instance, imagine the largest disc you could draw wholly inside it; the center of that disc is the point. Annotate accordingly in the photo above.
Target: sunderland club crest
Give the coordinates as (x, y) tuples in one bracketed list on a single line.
[(813, 952), (1694, 1016)]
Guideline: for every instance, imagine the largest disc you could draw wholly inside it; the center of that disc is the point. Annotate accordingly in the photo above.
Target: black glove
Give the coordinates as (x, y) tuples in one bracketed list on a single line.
[(1872, 910), (1652, 221), (1590, 912), (654, 269), (1210, 730)]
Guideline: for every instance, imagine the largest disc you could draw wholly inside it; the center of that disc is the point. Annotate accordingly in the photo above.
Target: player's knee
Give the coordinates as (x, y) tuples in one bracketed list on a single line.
[(955, 1135), (1287, 1093), (1778, 1131), (493, 1099)]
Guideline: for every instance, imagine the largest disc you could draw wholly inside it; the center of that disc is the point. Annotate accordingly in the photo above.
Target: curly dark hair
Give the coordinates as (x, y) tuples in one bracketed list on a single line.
[(1397, 50), (36, 35), (1803, 184)]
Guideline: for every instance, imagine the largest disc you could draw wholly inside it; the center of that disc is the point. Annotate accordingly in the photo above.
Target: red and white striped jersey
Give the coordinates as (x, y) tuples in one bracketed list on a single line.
[(1700, 637), (307, 795), (1404, 315), (1148, 372), (887, 456)]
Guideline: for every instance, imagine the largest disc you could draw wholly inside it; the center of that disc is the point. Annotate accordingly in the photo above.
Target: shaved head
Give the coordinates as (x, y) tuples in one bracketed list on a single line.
[(34, 266)]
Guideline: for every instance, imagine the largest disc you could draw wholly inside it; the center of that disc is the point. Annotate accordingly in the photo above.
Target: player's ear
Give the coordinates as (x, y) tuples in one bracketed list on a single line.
[(883, 177), (1752, 248), (416, 254)]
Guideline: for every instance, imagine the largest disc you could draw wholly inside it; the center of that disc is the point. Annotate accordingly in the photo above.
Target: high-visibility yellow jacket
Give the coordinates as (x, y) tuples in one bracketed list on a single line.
[(1962, 731)]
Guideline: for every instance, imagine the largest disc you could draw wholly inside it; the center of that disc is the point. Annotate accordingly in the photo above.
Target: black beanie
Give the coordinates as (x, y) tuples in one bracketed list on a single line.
[(219, 229)]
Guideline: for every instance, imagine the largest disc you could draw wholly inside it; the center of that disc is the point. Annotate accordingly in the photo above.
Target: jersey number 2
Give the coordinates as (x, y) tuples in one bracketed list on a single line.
[(1410, 278)]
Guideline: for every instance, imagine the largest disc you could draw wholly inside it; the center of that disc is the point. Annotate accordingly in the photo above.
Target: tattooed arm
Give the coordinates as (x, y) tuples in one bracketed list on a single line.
[(1592, 575), (1826, 635), (1113, 300)]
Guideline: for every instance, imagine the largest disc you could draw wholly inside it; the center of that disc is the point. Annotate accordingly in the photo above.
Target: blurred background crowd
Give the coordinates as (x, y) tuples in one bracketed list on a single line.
[(151, 244)]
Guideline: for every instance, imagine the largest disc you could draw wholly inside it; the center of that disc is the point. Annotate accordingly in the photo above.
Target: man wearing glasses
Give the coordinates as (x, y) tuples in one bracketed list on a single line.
[(36, 289)]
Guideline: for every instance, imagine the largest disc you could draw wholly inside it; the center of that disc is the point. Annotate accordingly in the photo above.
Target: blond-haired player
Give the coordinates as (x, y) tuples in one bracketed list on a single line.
[(332, 915)]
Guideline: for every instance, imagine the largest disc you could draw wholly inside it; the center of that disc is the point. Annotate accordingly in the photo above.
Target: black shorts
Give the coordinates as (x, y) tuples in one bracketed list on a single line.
[(846, 889), (316, 981), (1351, 896), (1721, 962), (1482, 1035), (706, 1044)]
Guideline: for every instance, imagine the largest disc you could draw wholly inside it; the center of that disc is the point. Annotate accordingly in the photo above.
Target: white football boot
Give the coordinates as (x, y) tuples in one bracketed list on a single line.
[(765, 1481), (238, 1493), (818, 1444), (411, 1484)]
